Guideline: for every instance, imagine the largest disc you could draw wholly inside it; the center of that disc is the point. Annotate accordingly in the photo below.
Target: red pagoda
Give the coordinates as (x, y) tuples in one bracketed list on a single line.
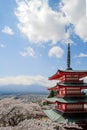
[(70, 101)]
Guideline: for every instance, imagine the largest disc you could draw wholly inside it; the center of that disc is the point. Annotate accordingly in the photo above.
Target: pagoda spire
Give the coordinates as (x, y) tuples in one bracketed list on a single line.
[(68, 58)]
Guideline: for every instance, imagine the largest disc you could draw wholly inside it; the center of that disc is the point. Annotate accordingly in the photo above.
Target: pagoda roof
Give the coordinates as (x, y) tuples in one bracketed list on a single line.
[(67, 100), (60, 73), (72, 84), (68, 85), (56, 76), (56, 116), (53, 88), (76, 71)]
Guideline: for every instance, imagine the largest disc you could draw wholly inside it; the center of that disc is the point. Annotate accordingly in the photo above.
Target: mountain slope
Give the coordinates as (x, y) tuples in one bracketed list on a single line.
[(23, 89)]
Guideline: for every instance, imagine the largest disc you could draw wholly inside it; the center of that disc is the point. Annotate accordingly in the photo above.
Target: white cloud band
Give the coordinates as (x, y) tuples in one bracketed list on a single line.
[(26, 80)]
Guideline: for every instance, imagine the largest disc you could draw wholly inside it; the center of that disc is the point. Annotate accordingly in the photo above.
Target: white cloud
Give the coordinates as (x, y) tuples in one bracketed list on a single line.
[(7, 30), (2, 45), (76, 14), (56, 51), (26, 80), (28, 52), (38, 22), (82, 55)]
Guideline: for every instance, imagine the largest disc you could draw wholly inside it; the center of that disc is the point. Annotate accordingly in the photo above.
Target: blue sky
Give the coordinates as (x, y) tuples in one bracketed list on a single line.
[(34, 36)]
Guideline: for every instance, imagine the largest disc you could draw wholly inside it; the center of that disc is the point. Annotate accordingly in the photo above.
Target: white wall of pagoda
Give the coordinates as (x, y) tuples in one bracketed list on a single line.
[(70, 78), (71, 107), (85, 106), (70, 91)]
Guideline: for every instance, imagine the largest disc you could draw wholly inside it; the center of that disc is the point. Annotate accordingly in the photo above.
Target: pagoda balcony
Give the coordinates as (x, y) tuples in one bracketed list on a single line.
[(72, 81), (71, 107), (71, 95), (69, 104), (68, 100), (69, 89), (70, 111)]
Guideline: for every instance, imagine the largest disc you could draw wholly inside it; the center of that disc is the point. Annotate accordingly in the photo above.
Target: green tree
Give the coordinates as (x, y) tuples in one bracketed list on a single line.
[(51, 94)]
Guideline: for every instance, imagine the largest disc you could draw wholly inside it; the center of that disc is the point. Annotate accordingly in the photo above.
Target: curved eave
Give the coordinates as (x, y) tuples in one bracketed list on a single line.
[(60, 73), (72, 85), (54, 100), (55, 115), (54, 88), (55, 76)]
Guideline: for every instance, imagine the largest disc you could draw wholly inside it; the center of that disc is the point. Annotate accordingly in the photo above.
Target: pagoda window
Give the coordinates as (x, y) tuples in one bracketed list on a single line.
[(62, 78), (74, 106), (73, 88), (59, 106), (85, 106), (72, 77), (75, 76), (63, 106), (73, 92), (62, 91)]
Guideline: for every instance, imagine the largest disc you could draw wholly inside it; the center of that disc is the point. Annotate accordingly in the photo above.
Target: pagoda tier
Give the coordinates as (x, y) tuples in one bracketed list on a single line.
[(68, 89), (67, 105), (69, 76)]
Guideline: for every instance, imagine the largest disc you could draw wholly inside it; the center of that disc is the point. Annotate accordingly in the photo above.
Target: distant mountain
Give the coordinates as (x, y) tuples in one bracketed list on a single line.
[(22, 89)]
